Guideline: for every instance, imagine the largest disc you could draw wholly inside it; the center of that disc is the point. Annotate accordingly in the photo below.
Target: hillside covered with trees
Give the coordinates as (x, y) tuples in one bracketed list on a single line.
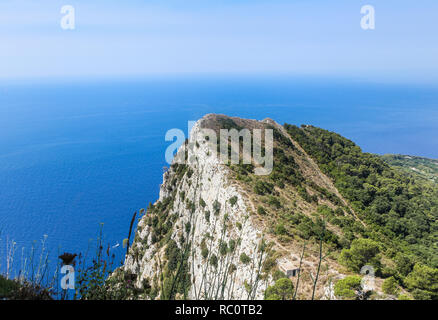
[(400, 210)]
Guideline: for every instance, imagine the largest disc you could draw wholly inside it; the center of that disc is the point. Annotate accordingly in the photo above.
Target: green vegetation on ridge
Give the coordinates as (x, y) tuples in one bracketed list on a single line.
[(400, 211)]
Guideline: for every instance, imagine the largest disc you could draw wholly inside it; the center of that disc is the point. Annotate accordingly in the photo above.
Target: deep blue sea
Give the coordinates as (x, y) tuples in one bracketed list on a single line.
[(74, 154)]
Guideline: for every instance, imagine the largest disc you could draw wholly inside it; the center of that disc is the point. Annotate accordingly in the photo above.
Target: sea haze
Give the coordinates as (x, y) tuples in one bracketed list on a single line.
[(80, 153)]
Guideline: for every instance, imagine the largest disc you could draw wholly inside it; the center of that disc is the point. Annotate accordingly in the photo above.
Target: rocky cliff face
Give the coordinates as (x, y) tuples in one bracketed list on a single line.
[(210, 213), (219, 232)]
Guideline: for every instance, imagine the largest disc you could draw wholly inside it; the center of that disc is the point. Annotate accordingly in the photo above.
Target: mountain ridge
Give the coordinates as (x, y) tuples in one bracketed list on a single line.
[(220, 232)]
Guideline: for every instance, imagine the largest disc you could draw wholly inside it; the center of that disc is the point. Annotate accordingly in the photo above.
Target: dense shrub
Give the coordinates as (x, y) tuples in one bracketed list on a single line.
[(216, 207), (390, 286), (204, 252), (207, 215), (261, 210), (244, 258), (213, 260), (262, 187), (233, 200), (348, 288), (423, 281), (273, 201), (172, 255), (283, 289), (362, 252)]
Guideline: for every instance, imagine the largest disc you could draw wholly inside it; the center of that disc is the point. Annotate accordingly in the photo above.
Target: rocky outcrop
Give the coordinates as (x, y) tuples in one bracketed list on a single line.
[(213, 235), (226, 249)]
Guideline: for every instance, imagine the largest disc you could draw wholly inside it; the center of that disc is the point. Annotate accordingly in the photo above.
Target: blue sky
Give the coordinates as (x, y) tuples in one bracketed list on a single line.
[(136, 38)]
